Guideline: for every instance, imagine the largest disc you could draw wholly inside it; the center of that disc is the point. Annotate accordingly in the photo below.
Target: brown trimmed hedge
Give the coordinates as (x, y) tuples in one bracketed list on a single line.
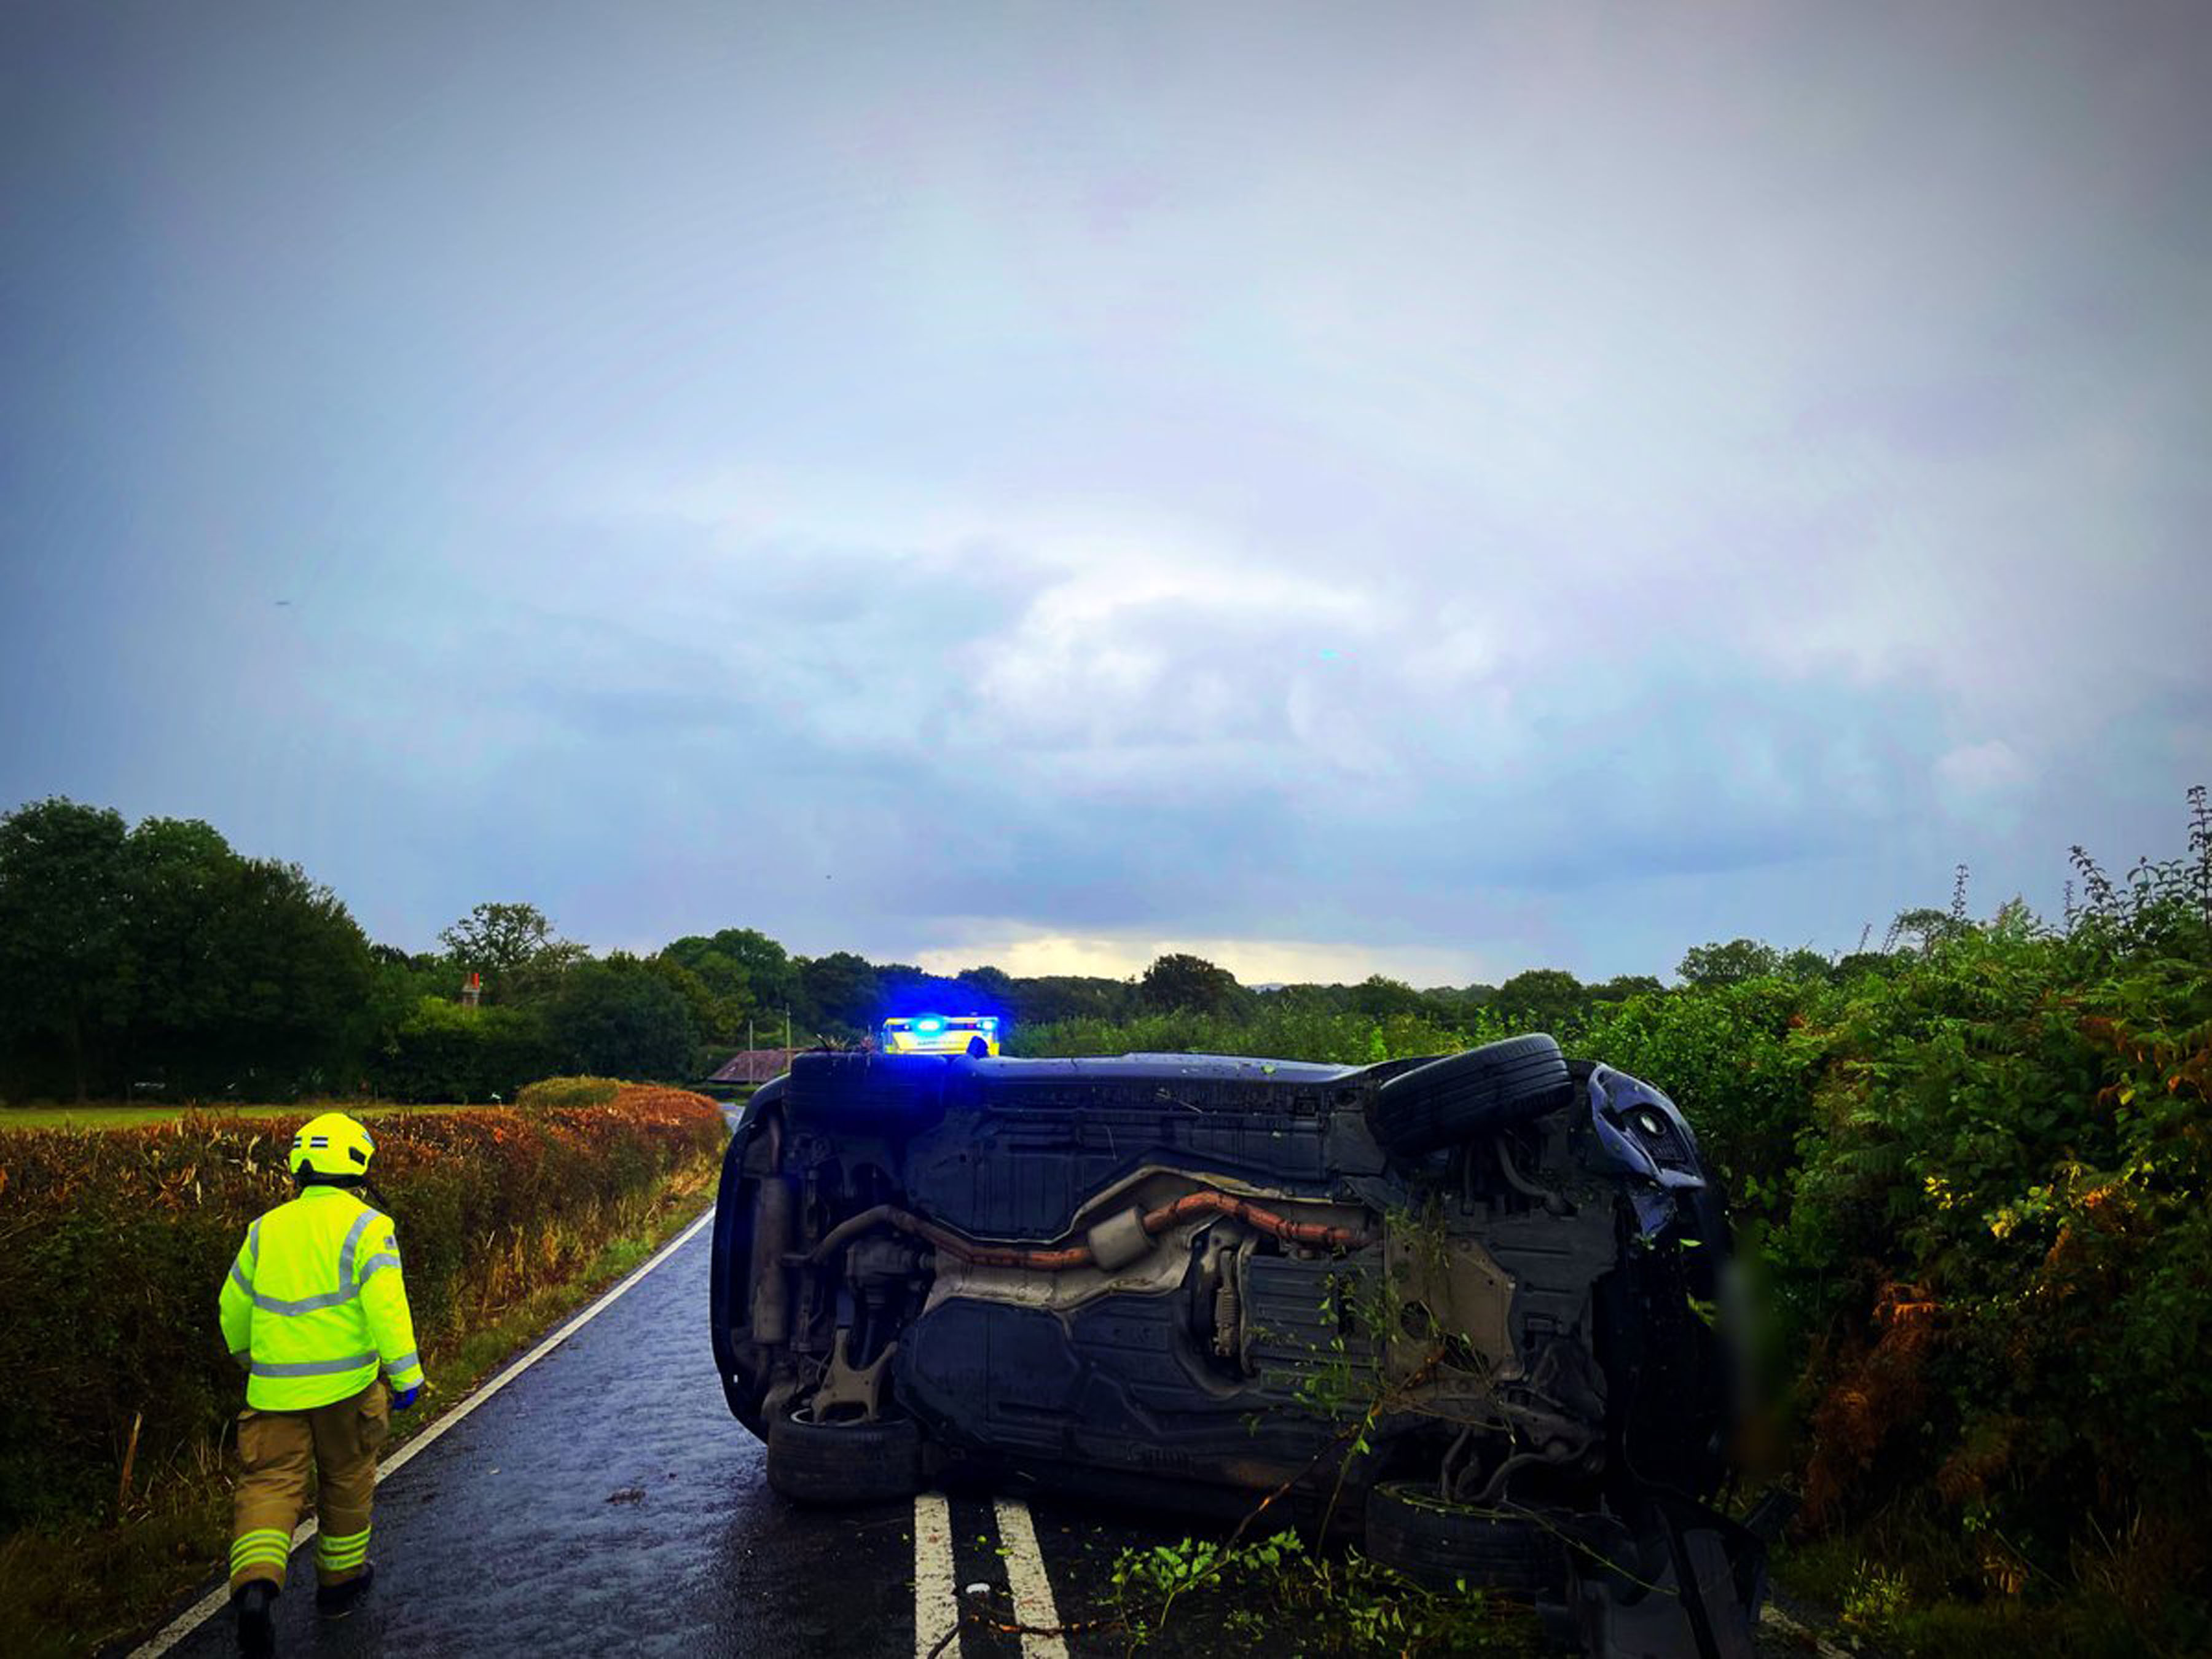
[(113, 1246)]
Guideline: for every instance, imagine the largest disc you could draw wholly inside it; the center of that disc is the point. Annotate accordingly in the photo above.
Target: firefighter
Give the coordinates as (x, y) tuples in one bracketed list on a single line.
[(316, 1313)]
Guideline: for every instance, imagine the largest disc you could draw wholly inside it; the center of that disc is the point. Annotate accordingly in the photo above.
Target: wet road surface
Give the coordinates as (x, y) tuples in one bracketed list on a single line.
[(605, 1502)]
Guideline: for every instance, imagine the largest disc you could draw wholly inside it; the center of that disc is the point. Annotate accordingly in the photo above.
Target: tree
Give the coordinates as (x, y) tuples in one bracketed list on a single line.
[(1622, 986), (1542, 998), (1857, 963), (514, 948), (398, 983), (161, 952), (1927, 927), (1052, 997), (1180, 983), (992, 988), (177, 874), (1802, 964), (1311, 999), (1380, 997), (715, 987), (244, 973), (620, 1018), (744, 966), (1729, 964), (716, 1019), (296, 978), (63, 914), (906, 989), (839, 990)]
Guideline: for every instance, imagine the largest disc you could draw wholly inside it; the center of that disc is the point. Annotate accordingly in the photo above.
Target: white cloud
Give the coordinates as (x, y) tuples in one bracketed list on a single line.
[(1254, 961)]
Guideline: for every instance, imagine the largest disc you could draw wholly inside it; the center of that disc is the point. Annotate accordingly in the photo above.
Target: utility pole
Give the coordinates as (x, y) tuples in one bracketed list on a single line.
[(786, 1025), (749, 1033)]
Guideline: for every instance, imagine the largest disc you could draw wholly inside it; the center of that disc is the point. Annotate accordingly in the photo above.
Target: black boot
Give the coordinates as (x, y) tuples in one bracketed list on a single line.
[(256, 1605), (336, 1601)]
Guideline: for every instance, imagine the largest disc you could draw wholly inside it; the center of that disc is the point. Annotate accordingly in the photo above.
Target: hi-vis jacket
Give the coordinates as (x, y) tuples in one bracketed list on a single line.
[(314, 1307)]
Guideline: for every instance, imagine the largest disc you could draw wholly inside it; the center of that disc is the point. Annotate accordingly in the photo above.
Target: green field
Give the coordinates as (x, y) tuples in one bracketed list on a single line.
[(132, 1117)]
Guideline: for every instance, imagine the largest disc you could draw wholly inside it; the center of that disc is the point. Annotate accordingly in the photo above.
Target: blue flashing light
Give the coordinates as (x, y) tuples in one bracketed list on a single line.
[(990, 1024), (929, 1025)]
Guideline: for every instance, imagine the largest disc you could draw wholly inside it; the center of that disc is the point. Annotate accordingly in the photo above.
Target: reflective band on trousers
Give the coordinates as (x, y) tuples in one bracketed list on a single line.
[(312, 1367), (264, 1547), (348, 1552)]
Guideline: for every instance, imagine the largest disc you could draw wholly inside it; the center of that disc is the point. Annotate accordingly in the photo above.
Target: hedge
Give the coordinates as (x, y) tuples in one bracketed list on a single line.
[(113, 1246), (1979, 1184), (567, 1091)]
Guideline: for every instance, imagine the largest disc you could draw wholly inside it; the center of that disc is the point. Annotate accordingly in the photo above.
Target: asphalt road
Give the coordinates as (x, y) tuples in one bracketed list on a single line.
[(605, 1502)]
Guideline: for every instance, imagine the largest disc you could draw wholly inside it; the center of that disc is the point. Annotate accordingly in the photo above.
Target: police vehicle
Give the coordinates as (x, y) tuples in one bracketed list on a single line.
[(941, 1034)]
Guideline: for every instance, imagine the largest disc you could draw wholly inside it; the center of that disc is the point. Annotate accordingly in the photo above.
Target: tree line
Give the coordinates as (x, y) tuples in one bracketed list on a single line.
[(157, 958)]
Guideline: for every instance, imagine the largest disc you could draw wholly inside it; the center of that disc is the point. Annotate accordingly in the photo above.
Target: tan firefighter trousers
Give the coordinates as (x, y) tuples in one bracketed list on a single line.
[(339, 1442)]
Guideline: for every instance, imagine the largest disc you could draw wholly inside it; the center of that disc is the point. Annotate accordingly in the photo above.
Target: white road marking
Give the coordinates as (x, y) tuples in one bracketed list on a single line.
[(1770, 1614), (936, 1601), (219, 1598), (1025, 1577)]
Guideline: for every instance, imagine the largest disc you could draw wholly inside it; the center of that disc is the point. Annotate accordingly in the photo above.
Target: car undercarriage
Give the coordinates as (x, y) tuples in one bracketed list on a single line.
[(1464, 1309)]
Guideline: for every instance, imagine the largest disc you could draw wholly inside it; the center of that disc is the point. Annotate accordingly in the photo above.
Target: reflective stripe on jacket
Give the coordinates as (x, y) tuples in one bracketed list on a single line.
[(314, 1306)]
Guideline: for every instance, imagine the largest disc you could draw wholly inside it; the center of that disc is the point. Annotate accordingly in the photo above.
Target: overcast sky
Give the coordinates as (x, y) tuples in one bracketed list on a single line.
[(1439, 489)]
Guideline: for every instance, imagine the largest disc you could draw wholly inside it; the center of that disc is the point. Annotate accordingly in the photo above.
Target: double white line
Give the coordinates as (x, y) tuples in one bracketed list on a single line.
[(937, 1591)]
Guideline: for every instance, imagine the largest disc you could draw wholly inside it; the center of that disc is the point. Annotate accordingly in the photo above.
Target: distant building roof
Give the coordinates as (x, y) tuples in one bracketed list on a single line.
[(754, 1065)]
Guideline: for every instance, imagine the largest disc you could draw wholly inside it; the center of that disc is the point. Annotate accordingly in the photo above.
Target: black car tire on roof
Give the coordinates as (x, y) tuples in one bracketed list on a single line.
[(1475, 1093), (834, 1464), (1438, 1544)]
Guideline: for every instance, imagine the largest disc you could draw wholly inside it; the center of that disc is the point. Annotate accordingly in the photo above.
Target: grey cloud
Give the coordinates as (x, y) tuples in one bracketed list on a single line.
[(1563, 483)]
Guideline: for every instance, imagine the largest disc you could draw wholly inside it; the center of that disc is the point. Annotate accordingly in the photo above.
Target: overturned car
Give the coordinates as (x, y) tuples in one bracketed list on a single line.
[(1467, 1305)]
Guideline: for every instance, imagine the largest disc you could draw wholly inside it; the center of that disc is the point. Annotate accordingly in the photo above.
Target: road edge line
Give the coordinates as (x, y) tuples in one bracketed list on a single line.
[(216, 1599)]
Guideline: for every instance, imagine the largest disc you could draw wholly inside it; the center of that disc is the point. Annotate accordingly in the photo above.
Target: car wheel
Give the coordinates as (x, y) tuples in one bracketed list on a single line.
[(1476, 1093), (1439, 1545), (834, 1465)]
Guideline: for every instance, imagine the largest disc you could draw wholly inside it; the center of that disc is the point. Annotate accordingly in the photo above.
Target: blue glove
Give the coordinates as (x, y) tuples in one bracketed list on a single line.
[(402, 1398)]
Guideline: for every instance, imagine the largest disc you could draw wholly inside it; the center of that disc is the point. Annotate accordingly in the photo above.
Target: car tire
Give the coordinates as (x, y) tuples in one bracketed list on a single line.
[(1463, 1095), (1439, 1545), (840, 1465)]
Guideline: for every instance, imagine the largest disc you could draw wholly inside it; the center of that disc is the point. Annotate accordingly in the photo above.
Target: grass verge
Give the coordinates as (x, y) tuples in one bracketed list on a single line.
[(92, 1585), (1919, 1595)]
